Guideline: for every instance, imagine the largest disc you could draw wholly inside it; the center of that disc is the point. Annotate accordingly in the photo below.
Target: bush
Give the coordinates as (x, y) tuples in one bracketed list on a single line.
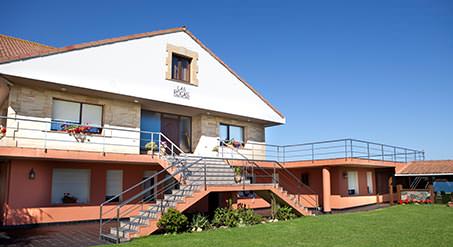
[(173, 221), (285, 213), (199, 223), (225, 217), (234, 217), (248, 217)]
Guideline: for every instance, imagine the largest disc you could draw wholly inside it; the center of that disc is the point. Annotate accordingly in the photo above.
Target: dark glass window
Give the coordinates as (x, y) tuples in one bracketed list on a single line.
[(305, 179), (66, 113), (231, 132), (180, 68)]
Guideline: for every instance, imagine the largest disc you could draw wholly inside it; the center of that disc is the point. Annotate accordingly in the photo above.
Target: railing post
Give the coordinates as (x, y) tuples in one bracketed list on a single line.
[(160, 146), (394, 154), (368, 149), (345, 149), (352, 154), (45, 141), (119, 224), (382, 152), (312, 153), (284, 154), (278, 153), (244, 170), (205, 183), (274, 180), (405, 155), (100, 222), (103, 141)]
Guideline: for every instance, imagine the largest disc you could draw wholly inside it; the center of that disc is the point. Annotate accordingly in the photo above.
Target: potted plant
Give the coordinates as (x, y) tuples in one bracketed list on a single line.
[(236, 144), (151, 147), (80, 133), (2, 132), (237, 174), (67, 198)]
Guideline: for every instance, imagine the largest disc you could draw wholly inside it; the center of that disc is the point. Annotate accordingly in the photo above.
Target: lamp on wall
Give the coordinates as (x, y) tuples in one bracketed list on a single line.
[(31, 174)]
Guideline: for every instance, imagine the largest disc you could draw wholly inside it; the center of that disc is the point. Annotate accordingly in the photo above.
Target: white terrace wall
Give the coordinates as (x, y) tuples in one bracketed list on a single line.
[(36, 104), (205, 136)]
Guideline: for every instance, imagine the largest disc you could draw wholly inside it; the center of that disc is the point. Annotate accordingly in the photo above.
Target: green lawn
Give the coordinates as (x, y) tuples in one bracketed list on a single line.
[(409, 225)]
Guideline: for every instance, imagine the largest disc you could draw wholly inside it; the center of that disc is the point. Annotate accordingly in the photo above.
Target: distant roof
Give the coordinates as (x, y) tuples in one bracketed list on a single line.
[(11, 47), (428, 167)]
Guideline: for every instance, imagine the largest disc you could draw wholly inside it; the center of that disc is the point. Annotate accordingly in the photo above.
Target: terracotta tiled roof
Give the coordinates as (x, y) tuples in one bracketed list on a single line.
[(428, 167), (51, 51), (11, 47)]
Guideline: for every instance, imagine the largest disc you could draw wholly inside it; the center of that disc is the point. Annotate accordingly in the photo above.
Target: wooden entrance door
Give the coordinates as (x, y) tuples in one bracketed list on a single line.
[(170, 127)]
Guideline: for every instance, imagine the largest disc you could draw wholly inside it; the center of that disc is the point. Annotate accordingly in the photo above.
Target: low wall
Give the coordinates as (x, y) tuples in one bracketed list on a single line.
[(343, 202), (21, 216)]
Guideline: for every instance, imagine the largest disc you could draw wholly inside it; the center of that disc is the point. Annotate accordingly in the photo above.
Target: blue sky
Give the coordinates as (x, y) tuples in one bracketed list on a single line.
[(373, 70)]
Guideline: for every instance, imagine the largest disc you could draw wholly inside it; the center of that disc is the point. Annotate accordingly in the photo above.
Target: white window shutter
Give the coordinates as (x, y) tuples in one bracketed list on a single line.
[(65, 111), (91, 115), (114, 184), (76, 182)]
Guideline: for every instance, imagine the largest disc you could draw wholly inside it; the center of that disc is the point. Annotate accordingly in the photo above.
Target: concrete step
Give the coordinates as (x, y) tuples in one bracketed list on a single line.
[(133, 225), (112, 238), (175, 197), (143, 218), (212, 175), (122, 232)]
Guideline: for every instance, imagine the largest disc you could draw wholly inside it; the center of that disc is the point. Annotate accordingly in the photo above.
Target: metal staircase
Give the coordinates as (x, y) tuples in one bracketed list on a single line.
[(191, 178)]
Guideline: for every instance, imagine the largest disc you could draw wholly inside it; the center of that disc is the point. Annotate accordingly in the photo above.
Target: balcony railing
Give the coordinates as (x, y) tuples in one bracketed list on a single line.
[(333, 149), (34, 133)]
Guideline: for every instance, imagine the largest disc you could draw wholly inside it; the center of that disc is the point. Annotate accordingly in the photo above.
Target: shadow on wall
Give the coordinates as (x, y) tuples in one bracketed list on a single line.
[(24, 216)]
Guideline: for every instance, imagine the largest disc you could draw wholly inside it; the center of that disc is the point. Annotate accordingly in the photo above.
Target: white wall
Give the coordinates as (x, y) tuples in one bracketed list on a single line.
[(137, 68)]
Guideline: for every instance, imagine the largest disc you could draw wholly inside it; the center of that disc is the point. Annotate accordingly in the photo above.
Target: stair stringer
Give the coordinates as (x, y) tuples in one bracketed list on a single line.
[(180, 206)]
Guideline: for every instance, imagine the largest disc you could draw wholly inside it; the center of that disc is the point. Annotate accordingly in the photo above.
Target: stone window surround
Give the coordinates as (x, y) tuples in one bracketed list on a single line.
[(172, 49)]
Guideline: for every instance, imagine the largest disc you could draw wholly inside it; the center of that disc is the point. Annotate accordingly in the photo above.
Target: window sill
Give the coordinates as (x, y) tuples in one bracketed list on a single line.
[(183, 82), (64, 132)]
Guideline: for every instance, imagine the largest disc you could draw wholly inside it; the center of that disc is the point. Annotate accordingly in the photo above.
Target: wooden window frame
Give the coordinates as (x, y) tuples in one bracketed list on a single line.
[(179, 75), (183, 52)]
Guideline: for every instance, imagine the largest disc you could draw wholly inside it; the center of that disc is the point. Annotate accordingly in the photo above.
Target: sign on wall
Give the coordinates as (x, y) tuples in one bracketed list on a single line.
[(415, 195), (181, 92)]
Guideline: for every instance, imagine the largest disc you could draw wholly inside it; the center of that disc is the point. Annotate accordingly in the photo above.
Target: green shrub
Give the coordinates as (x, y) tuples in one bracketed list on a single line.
[(151, 146), (234, 217), (199, 223), (285, 213), (173, 221), (248, 217), (225, 217)]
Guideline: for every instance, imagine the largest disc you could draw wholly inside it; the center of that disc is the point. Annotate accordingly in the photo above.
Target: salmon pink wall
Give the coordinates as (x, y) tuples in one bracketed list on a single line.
[(33, 195)]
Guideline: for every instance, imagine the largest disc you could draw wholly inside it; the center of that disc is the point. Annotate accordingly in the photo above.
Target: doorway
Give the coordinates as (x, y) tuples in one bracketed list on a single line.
[(149, 196)]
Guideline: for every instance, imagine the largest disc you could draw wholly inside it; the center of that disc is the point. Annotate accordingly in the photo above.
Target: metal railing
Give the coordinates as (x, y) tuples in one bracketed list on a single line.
[(145, 196), (277, 173), (33, 133), (332, 149)]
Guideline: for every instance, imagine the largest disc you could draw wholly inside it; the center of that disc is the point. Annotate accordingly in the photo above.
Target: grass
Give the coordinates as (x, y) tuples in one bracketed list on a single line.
[(407, 225)]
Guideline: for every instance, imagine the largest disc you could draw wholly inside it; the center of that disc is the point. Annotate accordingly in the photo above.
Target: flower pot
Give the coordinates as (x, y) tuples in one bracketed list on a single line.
[(237, 178)]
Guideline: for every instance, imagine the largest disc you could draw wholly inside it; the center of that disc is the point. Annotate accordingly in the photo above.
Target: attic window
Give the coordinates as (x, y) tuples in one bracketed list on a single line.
[(180, 68), (182, 65)]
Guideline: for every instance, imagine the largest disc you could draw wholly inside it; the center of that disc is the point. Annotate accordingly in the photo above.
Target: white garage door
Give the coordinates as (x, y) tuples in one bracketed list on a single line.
[(73, 181)]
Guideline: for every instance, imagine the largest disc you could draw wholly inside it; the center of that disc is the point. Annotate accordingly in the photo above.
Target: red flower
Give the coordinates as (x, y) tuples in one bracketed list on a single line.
[(400, 202), (3, 130)]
